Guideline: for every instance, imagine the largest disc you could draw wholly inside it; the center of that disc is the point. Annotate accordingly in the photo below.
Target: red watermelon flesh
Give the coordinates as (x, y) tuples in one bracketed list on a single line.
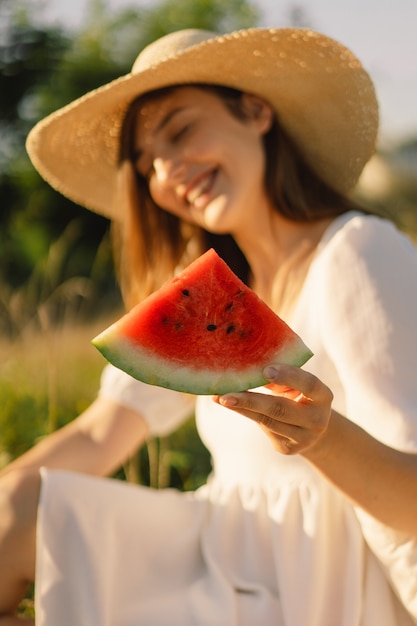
[(203, 332)]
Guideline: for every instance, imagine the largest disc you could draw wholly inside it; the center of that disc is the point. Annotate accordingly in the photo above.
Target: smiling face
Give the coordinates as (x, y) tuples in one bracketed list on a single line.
[(202, 162)]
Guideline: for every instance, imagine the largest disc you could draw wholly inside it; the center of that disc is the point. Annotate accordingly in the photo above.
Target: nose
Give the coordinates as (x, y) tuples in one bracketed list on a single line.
[(160, 167), (167, 170)]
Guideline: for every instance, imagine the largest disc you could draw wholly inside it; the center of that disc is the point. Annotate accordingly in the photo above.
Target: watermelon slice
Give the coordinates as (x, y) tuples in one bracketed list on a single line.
[(203, 332)]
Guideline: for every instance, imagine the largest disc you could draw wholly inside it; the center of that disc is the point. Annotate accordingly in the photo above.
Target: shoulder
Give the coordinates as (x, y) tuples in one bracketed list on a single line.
[(367, 242), (357, 231), (363, 270)]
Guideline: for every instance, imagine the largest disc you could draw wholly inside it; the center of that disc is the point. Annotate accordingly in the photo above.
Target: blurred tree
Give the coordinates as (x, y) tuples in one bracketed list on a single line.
[(298, 16), (400, 198), (43, 68), (28, 57)]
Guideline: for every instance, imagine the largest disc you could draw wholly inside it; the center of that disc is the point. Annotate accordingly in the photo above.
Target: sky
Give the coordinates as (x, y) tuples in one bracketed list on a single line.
[(382, 33)]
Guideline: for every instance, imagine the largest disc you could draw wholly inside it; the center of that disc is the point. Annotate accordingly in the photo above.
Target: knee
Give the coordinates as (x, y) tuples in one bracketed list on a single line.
[(19, 497)]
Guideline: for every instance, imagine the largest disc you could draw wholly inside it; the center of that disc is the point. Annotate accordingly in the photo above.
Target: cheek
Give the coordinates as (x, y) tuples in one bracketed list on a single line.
[(158, 193), (165, 199), (245, 149)]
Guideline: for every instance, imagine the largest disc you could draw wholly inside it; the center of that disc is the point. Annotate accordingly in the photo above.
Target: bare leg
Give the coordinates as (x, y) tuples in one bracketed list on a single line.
[(19, 496)]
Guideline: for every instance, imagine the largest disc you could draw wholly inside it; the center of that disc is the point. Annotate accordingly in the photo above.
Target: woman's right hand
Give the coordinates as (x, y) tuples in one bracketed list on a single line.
[(295, 415)]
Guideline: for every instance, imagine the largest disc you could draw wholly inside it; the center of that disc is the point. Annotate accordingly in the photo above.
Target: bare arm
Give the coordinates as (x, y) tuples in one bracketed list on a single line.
[(379, 479), (97, 442)]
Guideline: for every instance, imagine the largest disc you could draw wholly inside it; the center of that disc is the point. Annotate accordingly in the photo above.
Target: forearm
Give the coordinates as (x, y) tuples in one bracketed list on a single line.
[(379, 479), (96, 443)]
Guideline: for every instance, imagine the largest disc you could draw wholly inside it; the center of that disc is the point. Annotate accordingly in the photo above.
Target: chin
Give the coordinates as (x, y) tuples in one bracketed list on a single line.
[(216, 218), (215, 228)]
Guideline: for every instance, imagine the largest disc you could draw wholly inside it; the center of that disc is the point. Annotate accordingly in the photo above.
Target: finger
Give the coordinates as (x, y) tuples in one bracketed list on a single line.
[(273, 417), (287, 379), (309, 409), (263, 408)]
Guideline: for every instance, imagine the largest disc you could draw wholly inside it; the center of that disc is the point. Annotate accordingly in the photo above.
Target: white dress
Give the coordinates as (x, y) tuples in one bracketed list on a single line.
[(267, 541)]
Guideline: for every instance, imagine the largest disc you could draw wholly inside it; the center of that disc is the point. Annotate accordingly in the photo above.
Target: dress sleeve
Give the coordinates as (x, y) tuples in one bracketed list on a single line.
[(163, 409), (368, 317), (368, 325)]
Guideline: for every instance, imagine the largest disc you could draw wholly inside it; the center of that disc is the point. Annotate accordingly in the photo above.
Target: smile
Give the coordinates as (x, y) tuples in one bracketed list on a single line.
[(197, 192)]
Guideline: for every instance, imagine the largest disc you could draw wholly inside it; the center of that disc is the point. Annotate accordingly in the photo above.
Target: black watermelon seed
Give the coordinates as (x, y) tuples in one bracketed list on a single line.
[(230, 329), (185, 292), (229, 306), (211, 327)]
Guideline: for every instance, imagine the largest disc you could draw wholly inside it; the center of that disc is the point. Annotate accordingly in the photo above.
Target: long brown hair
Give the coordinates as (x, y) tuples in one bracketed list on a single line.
[(150, 244)]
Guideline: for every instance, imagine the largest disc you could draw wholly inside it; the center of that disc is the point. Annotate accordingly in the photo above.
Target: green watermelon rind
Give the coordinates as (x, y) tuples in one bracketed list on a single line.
[(149, 368)]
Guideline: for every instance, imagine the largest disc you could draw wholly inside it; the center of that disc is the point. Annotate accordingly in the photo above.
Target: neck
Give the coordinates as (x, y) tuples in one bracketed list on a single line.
[(279, 254)]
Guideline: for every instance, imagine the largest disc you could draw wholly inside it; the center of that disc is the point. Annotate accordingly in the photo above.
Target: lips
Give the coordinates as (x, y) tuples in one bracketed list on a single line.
[(197, 191)]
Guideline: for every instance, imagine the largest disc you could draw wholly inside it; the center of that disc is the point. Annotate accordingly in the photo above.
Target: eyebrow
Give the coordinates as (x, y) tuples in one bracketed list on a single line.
[(136, 154), (168, 117)]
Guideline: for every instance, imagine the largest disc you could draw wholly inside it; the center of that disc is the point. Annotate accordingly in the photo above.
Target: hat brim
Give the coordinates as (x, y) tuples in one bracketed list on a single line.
[(321, 93)]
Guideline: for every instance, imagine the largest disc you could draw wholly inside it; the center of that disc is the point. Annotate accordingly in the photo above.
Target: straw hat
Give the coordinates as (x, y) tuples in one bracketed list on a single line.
[(320, 91)]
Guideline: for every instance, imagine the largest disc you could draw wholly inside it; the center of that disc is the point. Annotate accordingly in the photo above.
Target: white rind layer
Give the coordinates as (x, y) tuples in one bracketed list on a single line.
[(151, 369)]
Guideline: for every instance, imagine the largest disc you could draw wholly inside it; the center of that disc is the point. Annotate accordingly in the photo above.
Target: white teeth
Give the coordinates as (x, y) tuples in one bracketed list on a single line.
[(199, 189)]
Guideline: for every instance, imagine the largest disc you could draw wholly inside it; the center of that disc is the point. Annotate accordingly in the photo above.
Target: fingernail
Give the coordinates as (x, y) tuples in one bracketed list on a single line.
[(228, 400), (270, 372)]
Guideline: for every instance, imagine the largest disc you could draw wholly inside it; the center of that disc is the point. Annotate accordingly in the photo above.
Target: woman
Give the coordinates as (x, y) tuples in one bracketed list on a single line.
[(250, 142)]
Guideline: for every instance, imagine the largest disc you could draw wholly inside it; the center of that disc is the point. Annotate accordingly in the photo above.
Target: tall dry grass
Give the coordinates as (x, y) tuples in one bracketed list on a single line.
[(49, 371), (48, 378)]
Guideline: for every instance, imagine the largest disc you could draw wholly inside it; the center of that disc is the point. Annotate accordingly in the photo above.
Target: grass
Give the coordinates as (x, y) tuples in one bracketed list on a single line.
[(47, 379), (49, 371)]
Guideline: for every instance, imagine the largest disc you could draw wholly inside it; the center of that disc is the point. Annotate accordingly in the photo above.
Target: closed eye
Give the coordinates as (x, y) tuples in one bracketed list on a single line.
[(179, 134)]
